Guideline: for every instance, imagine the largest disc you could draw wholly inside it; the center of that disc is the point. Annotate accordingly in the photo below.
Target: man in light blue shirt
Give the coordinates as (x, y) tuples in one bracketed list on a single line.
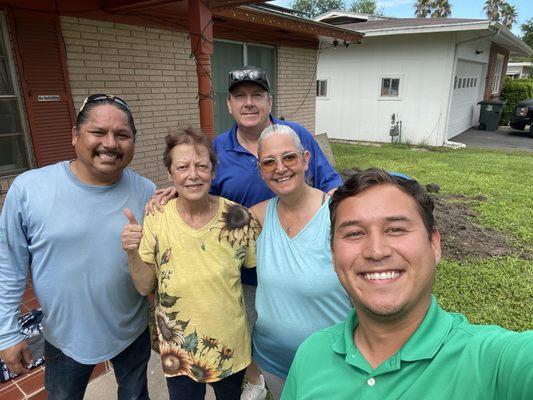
[(63, 223)]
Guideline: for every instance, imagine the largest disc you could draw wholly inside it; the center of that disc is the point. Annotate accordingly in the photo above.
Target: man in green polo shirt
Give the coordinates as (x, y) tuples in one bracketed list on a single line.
[(398, 343)]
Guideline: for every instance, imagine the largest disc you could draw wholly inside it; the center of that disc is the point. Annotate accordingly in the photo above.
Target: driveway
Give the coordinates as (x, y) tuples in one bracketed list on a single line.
[(505, 138)]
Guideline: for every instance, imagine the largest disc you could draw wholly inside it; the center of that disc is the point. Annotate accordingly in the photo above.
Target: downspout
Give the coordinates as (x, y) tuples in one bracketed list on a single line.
[(201, 32), (452, 80)]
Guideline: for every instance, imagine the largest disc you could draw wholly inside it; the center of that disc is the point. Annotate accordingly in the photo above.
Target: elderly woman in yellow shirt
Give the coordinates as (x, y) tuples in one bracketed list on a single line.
[(192, 253)]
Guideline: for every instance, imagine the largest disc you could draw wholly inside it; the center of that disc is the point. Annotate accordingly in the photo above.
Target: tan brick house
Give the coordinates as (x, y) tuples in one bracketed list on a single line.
[(167, 59)]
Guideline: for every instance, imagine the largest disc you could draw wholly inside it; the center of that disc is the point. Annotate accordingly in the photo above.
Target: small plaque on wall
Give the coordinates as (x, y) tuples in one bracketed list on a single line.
[(48, 97)]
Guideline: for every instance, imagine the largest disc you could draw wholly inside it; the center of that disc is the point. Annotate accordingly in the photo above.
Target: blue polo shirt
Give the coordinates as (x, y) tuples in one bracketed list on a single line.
[(237, 177)]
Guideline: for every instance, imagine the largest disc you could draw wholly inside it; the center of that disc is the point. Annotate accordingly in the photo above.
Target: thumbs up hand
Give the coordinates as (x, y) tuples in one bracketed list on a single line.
[(132, 233)]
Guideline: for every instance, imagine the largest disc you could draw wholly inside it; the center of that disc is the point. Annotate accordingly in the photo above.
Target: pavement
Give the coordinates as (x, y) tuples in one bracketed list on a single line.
[(505, 138), (105, 386)]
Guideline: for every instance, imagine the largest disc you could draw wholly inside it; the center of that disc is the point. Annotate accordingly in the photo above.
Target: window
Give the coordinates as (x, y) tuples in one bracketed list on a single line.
[(229, 55), (322, 88), (13, 150), (497, 77), (390, 87)]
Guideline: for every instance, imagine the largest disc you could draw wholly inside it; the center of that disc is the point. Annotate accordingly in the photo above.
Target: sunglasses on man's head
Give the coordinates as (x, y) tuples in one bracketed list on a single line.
[(270, 164), (251, 74), (101, 96), (399, 175)]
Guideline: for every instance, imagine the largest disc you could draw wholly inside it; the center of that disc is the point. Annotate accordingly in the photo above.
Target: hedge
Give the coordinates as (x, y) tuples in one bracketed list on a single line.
[(514, 91)]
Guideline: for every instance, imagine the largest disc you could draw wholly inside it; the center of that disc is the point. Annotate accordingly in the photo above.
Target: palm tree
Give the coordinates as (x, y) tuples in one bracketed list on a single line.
[(492, 8), (441, 9), (432, 8), (422, 8), (508, 15)]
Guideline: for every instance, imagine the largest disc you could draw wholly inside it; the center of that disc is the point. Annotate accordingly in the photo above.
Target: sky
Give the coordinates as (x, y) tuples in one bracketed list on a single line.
[(460, 9)]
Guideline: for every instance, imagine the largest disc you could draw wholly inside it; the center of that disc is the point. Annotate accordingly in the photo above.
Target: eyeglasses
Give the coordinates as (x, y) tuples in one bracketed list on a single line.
[(100, 96), (399, 175), (270, 164)]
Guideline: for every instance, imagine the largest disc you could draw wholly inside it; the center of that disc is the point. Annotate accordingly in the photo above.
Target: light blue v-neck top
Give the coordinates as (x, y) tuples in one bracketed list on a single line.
[(298, 292)]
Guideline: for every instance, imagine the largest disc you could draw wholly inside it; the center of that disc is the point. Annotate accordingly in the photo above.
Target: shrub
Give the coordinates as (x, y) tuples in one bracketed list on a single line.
[(514, 91)]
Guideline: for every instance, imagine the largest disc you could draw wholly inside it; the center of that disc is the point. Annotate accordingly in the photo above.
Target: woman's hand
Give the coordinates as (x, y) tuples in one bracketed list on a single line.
[(132, 233), (159, 199)]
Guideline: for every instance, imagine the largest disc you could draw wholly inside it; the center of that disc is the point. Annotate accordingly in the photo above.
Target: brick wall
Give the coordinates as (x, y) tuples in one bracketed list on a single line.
[(149, 68), (296, 99), (5, 182)]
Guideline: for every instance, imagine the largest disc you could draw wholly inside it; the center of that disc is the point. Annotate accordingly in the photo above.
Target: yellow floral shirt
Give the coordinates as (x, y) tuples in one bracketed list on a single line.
[(200, 314)]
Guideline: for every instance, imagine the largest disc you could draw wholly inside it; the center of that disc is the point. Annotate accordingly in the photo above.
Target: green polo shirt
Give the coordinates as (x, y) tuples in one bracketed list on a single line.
[(446, 358)]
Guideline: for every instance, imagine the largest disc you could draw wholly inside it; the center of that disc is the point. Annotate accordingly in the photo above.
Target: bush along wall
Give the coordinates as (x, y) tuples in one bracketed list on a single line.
[(514, 91)]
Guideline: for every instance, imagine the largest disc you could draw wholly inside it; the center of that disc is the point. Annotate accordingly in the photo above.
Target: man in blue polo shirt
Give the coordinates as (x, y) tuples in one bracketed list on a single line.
[(237, 176), (398, 343)]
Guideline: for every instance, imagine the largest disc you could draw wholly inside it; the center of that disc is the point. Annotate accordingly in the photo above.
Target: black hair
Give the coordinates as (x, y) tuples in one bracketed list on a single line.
[(362, 180)]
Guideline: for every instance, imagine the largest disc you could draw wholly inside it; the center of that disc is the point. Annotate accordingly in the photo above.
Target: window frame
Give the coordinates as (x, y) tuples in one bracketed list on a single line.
[(17, 96), (320, 80), (382, 79), (497, 74)]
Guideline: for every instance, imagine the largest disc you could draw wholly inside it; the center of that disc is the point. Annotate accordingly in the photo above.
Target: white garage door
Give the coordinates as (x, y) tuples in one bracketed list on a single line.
[(465, 95)]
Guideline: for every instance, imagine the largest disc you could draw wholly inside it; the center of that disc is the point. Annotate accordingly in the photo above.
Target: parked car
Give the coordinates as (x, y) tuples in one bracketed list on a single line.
[(523, 116)]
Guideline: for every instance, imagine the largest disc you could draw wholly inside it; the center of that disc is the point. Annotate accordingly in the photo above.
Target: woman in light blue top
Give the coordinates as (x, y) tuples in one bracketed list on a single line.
[(298, 291)]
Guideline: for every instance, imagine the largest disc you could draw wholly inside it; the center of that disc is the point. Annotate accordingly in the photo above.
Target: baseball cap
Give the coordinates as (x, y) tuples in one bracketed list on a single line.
[(248, 73)]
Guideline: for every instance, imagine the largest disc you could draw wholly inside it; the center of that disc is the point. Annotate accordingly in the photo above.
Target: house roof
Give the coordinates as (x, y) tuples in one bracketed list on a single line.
[(485, 28), (340, 17), (406, 23), (244, 20)]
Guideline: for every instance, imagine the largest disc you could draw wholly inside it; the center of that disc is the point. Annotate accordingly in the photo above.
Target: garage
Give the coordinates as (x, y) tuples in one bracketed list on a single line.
[(465, 95)]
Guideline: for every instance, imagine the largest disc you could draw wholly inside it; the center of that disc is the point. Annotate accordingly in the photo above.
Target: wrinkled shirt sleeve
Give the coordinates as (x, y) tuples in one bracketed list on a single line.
[(14, 262)]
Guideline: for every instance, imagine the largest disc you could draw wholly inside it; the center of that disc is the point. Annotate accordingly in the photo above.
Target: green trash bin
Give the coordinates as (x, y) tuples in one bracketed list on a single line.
[(490, 114)]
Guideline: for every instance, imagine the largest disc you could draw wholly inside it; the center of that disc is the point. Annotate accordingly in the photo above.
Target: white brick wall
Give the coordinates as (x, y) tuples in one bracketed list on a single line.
[(296, 85), (149, 68)]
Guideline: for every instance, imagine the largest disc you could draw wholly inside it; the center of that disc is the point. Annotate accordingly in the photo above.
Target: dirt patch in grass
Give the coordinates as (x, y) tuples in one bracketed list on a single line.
[(461, 236)]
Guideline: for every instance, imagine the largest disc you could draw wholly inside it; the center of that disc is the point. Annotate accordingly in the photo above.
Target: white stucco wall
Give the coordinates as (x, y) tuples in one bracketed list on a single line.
[(353, 109)]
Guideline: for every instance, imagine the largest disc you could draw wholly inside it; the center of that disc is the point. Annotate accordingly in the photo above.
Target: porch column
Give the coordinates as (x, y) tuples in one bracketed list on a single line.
[(201, 31)]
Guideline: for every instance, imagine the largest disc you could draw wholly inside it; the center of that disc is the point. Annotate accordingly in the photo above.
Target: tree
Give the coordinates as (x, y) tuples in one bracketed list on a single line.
[(441, 9), (422, 8), (492, 9), (527, 32), (432, 8), (312, 8), (366, 7), (502, 11), (508, 15)]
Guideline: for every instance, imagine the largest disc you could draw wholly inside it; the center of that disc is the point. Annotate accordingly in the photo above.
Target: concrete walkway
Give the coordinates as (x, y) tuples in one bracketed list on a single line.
[(505, 138), (105, 387)]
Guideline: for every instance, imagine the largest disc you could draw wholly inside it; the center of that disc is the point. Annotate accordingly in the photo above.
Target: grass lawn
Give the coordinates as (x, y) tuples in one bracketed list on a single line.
[(496, 290)]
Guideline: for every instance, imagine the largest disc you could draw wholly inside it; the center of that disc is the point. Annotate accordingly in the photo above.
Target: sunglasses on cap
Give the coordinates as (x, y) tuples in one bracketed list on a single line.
[(100, 96), (255, 75), (399, 175), (270, 164)]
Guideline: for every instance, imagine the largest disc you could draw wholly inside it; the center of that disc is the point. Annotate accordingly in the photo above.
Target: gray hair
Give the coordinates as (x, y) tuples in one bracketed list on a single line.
[(278, 129)]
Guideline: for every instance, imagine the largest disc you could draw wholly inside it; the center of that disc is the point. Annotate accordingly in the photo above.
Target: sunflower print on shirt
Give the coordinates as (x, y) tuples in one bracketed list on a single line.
[(236, 224)]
